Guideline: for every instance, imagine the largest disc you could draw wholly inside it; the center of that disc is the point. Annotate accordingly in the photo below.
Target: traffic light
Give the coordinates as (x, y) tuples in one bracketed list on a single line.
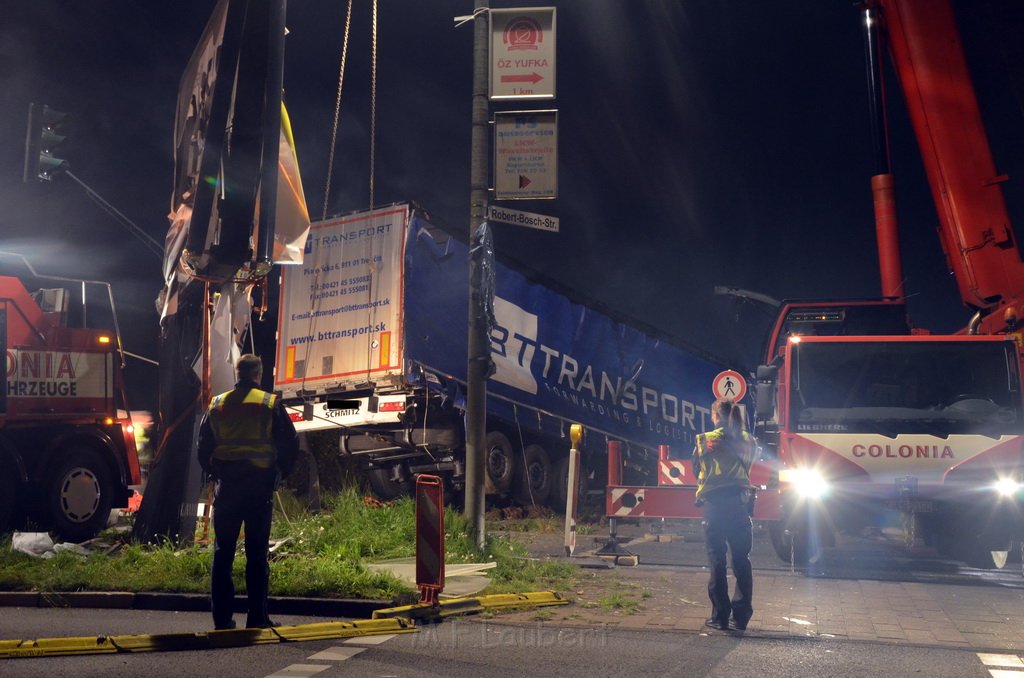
[(41, 141)]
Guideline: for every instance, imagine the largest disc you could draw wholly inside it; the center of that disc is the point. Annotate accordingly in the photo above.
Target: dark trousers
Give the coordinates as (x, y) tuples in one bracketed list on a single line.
[(245, 499), (727, 527)]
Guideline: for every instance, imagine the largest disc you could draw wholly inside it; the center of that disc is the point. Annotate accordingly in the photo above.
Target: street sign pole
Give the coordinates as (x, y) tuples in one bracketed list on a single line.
[(478, 345)]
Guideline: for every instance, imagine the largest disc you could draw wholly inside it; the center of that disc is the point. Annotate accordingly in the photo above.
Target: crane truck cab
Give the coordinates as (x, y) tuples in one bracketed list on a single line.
[(869, 425), (67, 447)]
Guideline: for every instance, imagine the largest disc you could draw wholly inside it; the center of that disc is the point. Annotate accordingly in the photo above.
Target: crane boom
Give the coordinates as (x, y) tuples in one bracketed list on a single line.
[(974, 226)]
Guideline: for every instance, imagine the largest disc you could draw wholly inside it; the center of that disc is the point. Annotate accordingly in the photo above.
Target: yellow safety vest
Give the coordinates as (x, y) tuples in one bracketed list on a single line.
[(723, 461), (241, 420)]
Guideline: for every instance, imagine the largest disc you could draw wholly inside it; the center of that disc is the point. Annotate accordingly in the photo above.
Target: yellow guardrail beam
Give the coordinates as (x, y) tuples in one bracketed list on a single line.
[(54, 647), (456, 606), (386, 621)]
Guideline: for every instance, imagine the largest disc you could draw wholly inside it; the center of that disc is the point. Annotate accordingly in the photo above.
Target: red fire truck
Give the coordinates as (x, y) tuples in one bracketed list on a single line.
[(66, 441), (867, 415)]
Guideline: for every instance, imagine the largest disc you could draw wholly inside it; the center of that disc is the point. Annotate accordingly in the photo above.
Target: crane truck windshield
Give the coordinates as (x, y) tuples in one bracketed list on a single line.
[(824, 319), (939, 388)]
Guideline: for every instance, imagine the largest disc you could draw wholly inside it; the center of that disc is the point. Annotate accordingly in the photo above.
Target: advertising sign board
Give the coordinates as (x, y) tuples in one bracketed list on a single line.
[(525, 155), (522, 59)]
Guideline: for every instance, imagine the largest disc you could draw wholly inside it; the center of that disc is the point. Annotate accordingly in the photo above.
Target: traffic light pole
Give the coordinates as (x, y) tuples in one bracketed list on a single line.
[(478, 345), (42, 165), (149, 241)]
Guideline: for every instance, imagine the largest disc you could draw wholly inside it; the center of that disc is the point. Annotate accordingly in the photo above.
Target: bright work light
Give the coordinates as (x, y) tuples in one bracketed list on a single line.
[(808, 483), (1006, 487)]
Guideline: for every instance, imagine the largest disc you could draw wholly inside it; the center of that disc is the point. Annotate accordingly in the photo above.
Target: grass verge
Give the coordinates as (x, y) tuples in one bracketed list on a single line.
[(322, 555)]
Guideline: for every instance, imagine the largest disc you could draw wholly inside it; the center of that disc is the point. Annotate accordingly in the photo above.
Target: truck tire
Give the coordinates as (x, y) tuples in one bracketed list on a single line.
[(974, 541), (560, 486), (8, 499), (535, 478), (499, 461), (385, 487), (79, 494), (805, 541), (984, 549)]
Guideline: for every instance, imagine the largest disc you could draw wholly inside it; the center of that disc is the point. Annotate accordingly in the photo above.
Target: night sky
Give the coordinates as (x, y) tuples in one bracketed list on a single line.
[(701, 143)]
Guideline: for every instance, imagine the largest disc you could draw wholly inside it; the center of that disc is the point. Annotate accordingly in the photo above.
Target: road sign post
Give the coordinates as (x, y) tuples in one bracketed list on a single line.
[(572, 488), (429, 538)]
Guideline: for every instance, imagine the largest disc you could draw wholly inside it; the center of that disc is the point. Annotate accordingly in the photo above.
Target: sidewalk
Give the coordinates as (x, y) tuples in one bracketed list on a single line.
[(673, 598), (789, 604)]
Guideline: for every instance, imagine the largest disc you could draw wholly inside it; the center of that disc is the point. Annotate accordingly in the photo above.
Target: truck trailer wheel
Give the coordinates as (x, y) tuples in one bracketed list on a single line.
[(79, 495), (385, 487), (499, 461), (535, 478), (560, 485)]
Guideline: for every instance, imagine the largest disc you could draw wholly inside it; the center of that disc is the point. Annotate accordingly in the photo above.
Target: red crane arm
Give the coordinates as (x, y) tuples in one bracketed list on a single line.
[(974, 226)]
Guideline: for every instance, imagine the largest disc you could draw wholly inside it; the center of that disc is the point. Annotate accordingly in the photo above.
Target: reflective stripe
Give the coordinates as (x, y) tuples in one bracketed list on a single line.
[(719, 464), (241, 420)]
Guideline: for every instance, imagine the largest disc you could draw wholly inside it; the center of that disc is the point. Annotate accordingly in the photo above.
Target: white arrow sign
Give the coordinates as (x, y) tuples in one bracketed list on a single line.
[(522, 63)]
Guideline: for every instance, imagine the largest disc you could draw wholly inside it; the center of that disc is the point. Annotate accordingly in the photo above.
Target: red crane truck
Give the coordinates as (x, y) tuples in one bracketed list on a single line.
[(868, 415), (66, 441)]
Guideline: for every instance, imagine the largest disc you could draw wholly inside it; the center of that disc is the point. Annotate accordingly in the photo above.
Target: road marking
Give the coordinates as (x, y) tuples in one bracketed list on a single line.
[(369, 640), (336, 654), (299, 671), (1005, 660), (1011, 665), (1000, 660), (802, 622)]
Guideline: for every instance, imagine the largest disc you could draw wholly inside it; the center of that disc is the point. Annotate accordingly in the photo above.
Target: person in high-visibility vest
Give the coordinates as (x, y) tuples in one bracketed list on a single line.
[(722, 459), (247, 444)]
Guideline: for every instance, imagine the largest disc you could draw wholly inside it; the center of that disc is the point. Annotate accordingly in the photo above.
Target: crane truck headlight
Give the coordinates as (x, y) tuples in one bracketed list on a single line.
[(808, 483), (1006, 487)]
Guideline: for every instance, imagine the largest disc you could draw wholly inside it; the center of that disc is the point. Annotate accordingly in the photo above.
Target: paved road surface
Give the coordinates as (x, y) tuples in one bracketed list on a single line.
[(481, 647)]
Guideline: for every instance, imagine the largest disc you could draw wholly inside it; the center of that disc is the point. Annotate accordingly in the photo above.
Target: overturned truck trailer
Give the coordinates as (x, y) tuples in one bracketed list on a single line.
[(372, 346)]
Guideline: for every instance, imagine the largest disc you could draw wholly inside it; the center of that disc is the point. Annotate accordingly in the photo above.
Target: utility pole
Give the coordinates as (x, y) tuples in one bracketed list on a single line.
[(478, 351)]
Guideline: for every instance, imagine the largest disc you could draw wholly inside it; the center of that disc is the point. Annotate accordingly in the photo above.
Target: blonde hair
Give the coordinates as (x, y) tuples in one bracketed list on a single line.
[(729, 415)]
